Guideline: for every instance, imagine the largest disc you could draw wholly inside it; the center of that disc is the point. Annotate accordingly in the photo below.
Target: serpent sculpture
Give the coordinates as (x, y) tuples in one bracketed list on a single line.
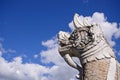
[(87, 42)]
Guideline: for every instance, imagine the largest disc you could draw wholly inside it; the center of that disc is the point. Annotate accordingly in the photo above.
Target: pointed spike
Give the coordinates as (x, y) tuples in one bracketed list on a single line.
[(80, 22), (86, 23), (76, 21)]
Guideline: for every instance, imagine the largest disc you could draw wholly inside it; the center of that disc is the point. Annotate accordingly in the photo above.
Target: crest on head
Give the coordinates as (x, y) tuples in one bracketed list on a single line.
[(80, 24), (84, 34)]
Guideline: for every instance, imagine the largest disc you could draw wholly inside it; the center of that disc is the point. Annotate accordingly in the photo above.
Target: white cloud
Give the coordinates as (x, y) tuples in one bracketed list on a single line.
[(117, 35), (71, 25), (110, 29), (36, 56), (17, 70), (2, 49), (6, 51), (60, 69), (50, 43)]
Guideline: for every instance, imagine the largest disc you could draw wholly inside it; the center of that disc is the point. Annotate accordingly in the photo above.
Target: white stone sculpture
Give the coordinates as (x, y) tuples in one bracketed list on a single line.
[(87, 42)]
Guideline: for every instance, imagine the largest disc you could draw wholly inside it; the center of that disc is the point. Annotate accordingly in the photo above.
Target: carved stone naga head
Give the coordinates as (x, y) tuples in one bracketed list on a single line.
[(83, 36), (83, 41), (87, 42)]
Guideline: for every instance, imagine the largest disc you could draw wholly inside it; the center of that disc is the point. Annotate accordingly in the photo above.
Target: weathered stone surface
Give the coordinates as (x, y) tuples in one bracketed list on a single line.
[(96, 70), (117, 76), (118, 72)]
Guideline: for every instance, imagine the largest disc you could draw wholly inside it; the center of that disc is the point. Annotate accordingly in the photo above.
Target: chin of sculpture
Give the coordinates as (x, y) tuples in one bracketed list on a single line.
[(87, 42)]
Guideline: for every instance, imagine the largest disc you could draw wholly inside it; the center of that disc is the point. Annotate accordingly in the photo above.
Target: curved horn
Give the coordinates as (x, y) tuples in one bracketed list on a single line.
[(77, 22), (86, 23)]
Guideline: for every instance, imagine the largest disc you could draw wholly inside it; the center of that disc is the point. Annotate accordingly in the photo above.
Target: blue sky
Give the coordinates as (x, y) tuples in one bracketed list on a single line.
[(27, 26)]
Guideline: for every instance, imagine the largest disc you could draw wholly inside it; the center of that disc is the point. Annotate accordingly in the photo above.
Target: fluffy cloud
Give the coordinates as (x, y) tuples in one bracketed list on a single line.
[(61, 71), (36, 56), (110, 29), (6, 51), (17, 70)]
